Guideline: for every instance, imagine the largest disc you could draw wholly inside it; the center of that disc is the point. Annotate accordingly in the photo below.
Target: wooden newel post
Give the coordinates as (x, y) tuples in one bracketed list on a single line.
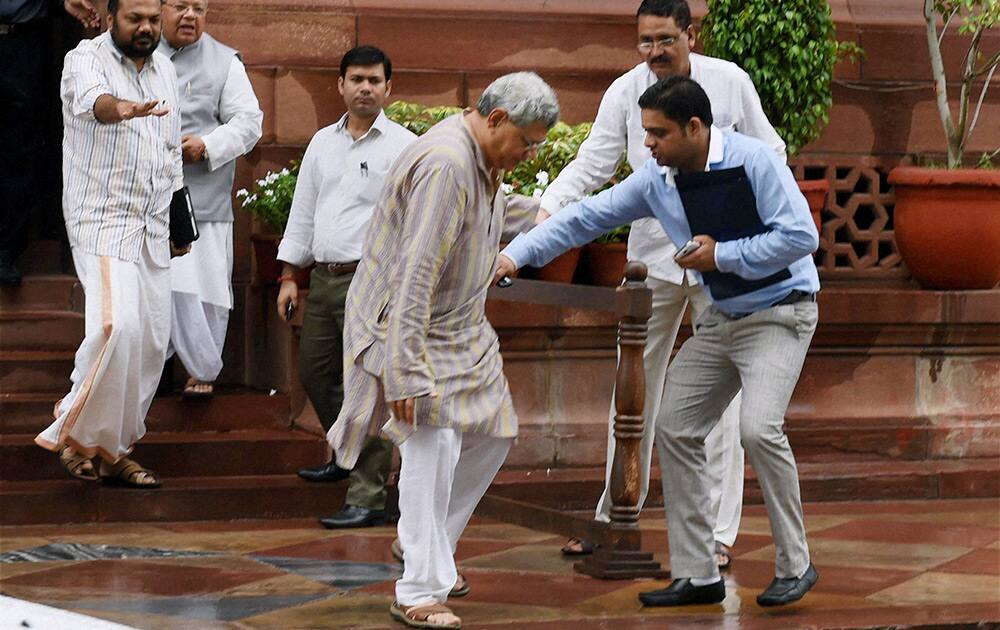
[(620, 552)]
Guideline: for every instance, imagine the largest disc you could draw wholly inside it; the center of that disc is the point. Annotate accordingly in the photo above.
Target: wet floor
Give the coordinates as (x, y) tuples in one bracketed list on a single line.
[(884, 563)]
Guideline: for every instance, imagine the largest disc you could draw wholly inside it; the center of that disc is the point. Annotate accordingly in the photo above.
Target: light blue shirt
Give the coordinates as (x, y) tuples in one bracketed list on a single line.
[(789, 241)]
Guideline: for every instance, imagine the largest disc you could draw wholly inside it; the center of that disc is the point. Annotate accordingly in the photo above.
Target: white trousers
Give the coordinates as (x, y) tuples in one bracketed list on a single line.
[(443, 474), (118, 365), (724, 454), (198, 335), (202, 297)]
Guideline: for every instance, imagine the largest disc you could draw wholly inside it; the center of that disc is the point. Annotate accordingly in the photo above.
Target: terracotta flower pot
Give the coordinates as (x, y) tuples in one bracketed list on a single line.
[(562, 268), (815, 191), (265, 252), (606, 262), (947, 226)]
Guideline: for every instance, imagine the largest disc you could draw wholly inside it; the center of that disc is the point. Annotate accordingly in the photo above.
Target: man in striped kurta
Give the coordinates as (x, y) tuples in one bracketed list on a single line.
[(416, 339), (121, 164)]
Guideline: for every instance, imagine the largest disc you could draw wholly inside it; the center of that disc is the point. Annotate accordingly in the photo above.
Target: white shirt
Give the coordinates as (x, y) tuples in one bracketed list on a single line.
[(240, 112), (339, 181), (618, 128), (118, 178)]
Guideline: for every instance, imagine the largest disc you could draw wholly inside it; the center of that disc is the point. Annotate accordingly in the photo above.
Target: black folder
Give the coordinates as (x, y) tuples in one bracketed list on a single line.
[(183, 228), (722, 204)]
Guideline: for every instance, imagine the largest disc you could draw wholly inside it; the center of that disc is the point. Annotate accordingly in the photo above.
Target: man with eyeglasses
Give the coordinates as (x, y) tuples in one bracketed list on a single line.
[(221, 120), (666, 38)]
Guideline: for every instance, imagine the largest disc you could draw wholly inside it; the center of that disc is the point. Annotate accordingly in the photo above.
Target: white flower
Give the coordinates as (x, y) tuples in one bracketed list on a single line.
[(261, 182), (284, 171), (542, 177), (537, 194), (242, 192), (506, 188), (269, 192)]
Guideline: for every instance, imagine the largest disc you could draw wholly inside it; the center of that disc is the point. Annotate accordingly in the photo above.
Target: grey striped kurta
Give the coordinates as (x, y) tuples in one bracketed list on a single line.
[(415, 323)]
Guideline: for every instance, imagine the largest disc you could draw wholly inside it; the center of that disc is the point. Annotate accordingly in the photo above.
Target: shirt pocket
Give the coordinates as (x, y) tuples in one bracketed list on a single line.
[(370, 184)]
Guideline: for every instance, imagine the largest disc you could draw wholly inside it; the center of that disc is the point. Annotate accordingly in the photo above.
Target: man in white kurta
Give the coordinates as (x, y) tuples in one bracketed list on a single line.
[(416, 338), (666, 37), (121, 165), (220, 121)]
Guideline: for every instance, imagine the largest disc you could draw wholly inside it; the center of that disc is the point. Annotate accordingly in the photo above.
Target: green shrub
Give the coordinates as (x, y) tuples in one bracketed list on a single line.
[(789, 49)]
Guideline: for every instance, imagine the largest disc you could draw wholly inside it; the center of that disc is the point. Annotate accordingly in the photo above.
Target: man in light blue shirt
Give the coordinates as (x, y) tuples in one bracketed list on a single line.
[(762, 284)]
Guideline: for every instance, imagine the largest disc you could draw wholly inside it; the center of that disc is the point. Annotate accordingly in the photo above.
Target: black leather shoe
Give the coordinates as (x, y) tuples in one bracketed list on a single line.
[(681, 593), (9, 274), (783, 591), (354, 516), (329, 472)]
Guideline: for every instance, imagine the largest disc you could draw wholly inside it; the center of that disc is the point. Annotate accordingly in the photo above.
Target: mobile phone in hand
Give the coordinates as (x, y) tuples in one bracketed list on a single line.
[(689, 247), (289, 310)]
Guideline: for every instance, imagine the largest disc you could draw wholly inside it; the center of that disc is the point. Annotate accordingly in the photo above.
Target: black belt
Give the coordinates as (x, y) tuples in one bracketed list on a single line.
[(339, 269), (795, 297)]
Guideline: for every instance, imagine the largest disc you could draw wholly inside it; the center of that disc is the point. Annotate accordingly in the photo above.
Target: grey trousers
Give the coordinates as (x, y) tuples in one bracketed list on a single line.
[(763, 353), (725, 456)]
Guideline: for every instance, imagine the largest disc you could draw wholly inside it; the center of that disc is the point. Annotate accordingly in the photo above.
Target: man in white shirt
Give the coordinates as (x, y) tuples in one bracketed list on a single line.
[(339, 181), (666, 37), (220, 121), (121, 166)]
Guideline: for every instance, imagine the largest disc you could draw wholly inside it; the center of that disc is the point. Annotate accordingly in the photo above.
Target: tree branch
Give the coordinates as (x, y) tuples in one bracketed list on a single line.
[(941, 86), (982, 97)]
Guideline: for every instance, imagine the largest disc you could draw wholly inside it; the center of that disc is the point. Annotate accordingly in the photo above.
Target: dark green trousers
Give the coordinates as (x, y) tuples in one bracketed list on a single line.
[(321, 370)]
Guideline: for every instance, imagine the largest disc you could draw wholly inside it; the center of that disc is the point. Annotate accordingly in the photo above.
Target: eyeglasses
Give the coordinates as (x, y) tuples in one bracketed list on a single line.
[(529, 144), (198, 9), (663, 42)]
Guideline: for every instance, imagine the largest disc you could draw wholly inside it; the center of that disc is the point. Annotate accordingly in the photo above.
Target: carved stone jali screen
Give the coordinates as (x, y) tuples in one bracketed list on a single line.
[(856, 241)]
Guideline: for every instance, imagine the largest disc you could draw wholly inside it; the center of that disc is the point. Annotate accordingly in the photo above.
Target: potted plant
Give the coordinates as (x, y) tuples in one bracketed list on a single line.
[(270, 203), (790, 53), (947, 220)]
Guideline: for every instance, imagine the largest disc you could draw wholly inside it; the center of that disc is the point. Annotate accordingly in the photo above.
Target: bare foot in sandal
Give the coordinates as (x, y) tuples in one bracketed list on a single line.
[(129, 473), (723, 556), (577, 547), (77, 465), (425, 616), (197, 389)]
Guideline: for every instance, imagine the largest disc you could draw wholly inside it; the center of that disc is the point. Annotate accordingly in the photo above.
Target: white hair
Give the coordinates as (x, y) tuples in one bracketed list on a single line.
[(524, 96)]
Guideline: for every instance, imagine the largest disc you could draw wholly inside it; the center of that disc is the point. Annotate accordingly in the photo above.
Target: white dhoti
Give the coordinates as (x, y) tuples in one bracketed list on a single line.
[(443, 474), (202, 296), (118, 365)]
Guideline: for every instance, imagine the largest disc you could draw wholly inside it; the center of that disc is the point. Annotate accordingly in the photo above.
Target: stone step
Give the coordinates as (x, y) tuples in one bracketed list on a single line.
[(180, 499), (31, 371), (174, 455), (229, 409), (580, 488), (43, 292), (40, 330), (813, 438)]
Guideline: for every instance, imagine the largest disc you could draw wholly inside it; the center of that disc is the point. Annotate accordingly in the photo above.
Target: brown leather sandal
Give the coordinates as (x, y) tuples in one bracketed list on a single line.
[(127, 472), (577, 547), (77, 465), (461, 588), (420, 616), (723, 556)]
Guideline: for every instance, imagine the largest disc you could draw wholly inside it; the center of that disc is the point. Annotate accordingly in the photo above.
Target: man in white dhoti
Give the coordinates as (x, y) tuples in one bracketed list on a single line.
[(220, 121), (416, 338), (121, 164)]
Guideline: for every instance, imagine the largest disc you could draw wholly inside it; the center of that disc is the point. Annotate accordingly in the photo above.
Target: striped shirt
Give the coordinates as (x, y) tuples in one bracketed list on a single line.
[(415, 322), (118, 178)]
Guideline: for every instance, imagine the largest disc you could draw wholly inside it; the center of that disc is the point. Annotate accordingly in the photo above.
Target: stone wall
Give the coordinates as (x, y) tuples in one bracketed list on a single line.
[(446, 51)]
